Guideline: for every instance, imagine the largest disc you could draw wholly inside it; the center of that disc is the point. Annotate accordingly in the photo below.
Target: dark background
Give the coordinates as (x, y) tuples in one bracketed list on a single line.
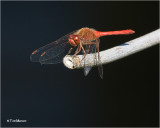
[(52, 95)]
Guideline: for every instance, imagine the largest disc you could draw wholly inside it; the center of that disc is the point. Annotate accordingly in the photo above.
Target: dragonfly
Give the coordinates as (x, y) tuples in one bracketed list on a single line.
[(85, 40)]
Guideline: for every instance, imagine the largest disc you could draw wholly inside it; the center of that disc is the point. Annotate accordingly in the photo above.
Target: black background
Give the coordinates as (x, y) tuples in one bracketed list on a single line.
[(52, 95)]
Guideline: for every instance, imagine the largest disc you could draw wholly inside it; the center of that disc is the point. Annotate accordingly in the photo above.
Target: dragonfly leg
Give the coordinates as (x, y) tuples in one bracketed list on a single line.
[(78, 50), (97, 47), (95, 53), (69, 51), (84, 52), (90, 43)]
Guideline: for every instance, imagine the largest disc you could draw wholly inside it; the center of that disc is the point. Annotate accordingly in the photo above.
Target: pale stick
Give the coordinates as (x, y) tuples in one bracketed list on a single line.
[(115, 53)]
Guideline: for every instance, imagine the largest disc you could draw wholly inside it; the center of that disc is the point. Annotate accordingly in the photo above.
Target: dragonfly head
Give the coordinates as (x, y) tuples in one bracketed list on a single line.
[(74, 40)]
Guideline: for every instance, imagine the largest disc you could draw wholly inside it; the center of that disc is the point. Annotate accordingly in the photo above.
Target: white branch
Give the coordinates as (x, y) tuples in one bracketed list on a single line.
[(115, 53)]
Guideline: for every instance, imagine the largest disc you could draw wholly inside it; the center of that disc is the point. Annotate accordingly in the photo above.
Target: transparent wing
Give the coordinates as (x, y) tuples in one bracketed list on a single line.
[(92, 49), (54, 52), (51, 51), (54, 55), (99, 63), (89, 49)]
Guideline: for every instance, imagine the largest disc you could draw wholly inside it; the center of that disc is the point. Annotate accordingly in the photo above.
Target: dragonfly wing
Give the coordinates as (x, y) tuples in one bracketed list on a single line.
[(86, 68), (55, 60), (88, 49), (54, 55), (62, 42), (100, 67), (99, 63)]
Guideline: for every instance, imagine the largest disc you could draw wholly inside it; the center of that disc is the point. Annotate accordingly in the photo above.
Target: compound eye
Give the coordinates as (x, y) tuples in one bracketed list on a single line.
[(76, 38), (72, 42)]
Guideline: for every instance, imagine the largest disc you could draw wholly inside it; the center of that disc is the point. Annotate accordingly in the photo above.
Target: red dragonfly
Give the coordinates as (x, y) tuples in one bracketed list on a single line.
[(84, 39)]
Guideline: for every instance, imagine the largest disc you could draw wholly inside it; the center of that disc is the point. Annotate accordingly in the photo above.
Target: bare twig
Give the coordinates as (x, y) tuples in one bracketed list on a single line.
[(115, 53)]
